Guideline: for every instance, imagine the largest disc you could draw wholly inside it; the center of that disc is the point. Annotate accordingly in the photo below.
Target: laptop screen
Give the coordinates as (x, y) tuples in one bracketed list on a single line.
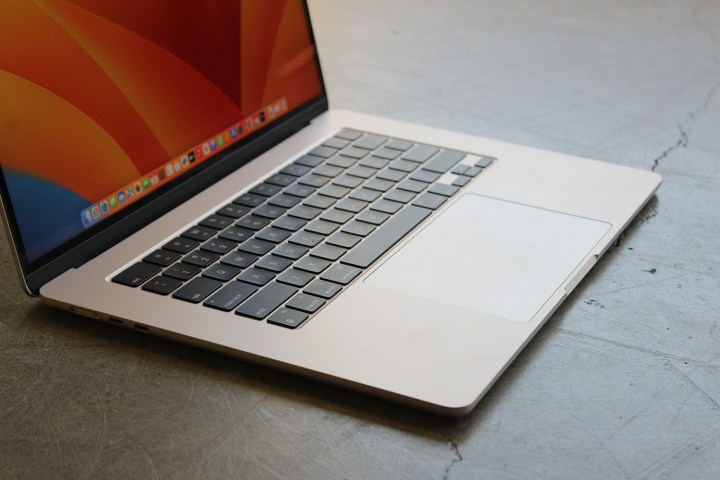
[(105, 102)]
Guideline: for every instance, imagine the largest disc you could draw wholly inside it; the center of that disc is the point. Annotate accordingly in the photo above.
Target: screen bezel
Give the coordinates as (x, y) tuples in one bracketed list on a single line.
[(104, 235)]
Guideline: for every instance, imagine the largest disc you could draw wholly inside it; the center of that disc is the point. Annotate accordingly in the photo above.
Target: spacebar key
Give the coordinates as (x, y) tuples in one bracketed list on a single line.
[(382, 239)]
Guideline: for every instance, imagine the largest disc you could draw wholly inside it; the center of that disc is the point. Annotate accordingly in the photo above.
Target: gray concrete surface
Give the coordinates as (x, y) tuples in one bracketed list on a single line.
[(623, 382)]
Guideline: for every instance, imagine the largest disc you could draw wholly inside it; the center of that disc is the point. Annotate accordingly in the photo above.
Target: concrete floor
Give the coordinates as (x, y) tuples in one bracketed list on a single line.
[(624, 380)]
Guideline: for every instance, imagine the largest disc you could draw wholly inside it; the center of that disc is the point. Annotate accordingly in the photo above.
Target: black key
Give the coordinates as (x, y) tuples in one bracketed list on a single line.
[(137, 274), (484, 162), (239, 259), (221, 272), (298, 190), (425, 176), (296, 278), (269, 211), (328, 252), (272, 234), (234, 211), (218, 222), (345, 240), (281, 180), (290, 223), (336, 216), (288, 250), (295, 170), (430, 200), (219, 245), (323, 288), (249, 200), (309, 161), (313, 180), (461, 181), (370, 141), (362, 172), (322, 227), (335, 191), (181, 245), (359, 228), (420, 153), (266, 300), (236, 234), (182, 271), (399, 144), (199, 233), (364, 194), (287, 317), (305, 212), (342, 162), (230, 296), (256, 247), (252, 222), (266, 189), (336, 143), (319, 201), (353, 152), (273, 263), (380, 241), (347, 181), (443, 189), (312, 264), (412, 186), (473, 172), (284, 201), (162, 257), (342, 274), (391, 175), (373, 216), (379, 184), (348, 134), (387, 206), (162, 285), (374, 162), (256, 276), (444, 161), (386, 153), (305, 303), (197, 290), (328, 171), (351, 205), (324, 152), (201, 259), (403, 165), (402, 196), (307, 239)]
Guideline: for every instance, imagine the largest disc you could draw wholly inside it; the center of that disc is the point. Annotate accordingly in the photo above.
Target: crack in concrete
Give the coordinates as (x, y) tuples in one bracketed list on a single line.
[(458, 458)]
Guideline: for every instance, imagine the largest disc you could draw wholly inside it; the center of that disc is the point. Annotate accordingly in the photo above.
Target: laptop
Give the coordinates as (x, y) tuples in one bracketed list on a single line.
[(177, 171)]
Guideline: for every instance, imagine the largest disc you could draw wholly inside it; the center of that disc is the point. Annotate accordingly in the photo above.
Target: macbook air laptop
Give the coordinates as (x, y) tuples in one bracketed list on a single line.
[(176, 170)]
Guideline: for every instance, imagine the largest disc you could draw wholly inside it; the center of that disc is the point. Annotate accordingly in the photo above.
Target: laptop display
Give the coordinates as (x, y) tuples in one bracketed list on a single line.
[(105, 103)]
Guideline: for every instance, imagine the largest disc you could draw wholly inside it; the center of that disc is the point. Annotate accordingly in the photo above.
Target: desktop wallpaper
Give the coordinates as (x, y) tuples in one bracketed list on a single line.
[(96, 93)]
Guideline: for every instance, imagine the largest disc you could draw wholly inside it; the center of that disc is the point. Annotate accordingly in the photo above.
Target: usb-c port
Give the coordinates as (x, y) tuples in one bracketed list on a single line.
[(142, 328)]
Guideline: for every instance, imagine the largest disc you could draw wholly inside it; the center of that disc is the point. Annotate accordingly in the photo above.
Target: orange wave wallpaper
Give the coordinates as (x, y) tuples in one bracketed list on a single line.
[(96, 93)]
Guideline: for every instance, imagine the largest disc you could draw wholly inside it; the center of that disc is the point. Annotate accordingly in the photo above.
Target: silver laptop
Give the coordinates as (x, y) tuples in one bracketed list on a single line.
[(177, 171)]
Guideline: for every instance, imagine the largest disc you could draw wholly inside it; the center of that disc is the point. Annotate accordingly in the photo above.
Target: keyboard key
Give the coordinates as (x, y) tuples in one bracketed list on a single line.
[(362, 172), (280, 180), (444, 161), (359, 228), (387, 206), (307, 239), (430, 200), (396, 144), (137, 274), (305, 303), (239, 259), (351, 205), (379, 184), (234, 211), (252, 222), (312, 264), (365, 194), (403, 165), (273, 263), (162, 285), (342, 162), (347, 181), (221, 272), (443, 189), (425, 176), (328, 171), (391, 175), (309, 161), (345, 240), (218, 222), (199, 233), (298, 190), (370, 141), (197, 290), (162, 257), (290, 223), (295, 170), (460, 169), (265, 189), (182, 271), (305, 212), (272, 234), (256, 247), (353, 152), (249, 200), (336, 143), (349, 134), (412, 186), (484, 162), (380, 241), (287, 317), (322, 227), (373, 216), (386, 153), (284, 201), (201, 259), (324, 152), (420, 153), (288, 250), (374, 162), (473, 172), (461, 181), (402, 196), (219, 245), (236, 234), (328, 252), (266, 300), (342, 274), (319, 201), (269, 211), (181, 245), (256, 276), (323, 288), (230, 296), (313, 180), (336, 216), (334, 191), (296, 278)]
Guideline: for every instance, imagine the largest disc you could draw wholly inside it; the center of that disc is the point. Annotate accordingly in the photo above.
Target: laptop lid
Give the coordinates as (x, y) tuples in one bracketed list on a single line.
[(116, 111)]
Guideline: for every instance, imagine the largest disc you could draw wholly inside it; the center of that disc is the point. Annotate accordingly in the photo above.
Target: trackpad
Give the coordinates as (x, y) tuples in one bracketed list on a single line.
[(491, 256)]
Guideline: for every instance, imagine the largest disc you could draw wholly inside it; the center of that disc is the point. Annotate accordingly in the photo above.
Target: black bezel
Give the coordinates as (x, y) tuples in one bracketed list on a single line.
[(113, 230)]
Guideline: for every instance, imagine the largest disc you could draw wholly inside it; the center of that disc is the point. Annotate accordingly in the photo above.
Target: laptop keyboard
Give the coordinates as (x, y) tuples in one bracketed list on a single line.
[(286, 247)]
